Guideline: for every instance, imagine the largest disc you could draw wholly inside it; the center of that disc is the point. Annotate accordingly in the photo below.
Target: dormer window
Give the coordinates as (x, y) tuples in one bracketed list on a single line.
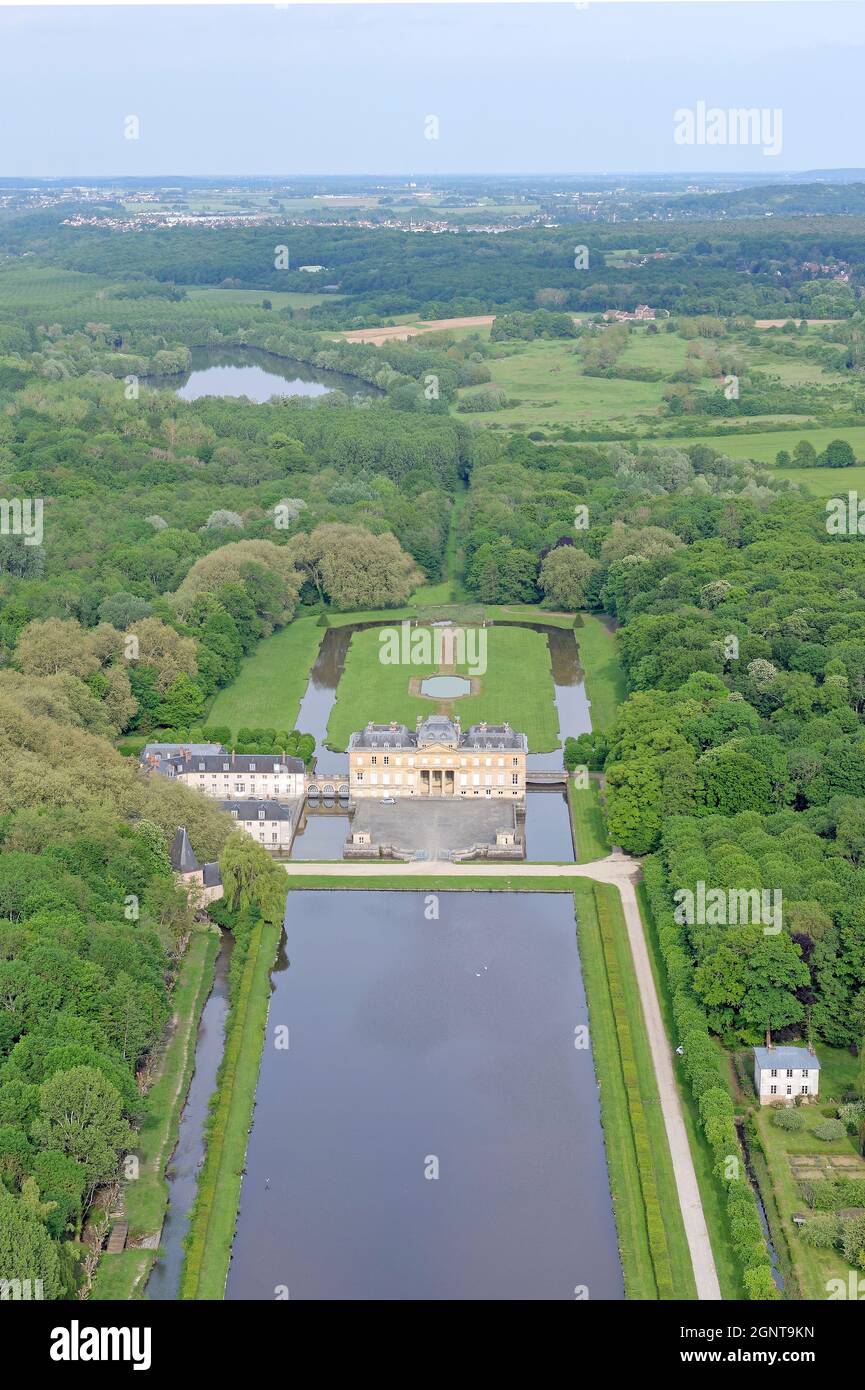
[(261, 815), (225, 767), (201, 767), (234, 813), (252, 767)]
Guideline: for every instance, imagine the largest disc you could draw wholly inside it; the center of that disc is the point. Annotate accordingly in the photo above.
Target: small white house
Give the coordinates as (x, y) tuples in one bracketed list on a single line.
[(785, 1073)]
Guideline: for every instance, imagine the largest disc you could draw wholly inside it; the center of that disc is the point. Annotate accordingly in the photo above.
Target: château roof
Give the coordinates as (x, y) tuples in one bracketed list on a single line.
[(438, 729)]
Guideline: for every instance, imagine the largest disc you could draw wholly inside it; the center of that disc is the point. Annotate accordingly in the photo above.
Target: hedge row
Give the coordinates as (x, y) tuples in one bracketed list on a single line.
[(701, 1064), (655, 1229)]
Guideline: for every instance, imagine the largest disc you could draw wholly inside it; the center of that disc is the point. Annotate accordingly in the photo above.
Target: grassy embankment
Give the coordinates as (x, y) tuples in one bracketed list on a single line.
[(124, 1275), (270, 684), (606, 689), (655, 1256), (211, 1227), (587, 822), (516, 686)]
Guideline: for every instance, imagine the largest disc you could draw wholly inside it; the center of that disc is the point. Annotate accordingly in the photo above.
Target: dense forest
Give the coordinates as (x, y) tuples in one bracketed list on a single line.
[(690, 267)]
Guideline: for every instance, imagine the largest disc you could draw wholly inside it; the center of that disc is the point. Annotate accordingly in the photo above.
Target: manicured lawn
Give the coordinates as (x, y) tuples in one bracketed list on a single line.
[(671, 1257), (517, 686), (839, 1073), (763, 448), (270, 684), (622, 1165), (123, 1275), (605, 679), (587, 819)]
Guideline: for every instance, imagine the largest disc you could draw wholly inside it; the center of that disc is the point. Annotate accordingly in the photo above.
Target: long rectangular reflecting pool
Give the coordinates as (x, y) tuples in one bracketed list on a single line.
[(425, 1126)]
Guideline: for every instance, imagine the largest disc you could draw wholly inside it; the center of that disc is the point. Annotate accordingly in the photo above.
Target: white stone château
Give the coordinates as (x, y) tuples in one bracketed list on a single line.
[(438, 760)]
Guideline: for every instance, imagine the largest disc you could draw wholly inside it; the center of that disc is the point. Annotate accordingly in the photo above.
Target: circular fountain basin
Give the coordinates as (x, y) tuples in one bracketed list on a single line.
[(446, 687)]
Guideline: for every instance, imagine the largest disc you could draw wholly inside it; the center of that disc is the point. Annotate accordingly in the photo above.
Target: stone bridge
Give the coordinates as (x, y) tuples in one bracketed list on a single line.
[(328, 787), (544, 777)]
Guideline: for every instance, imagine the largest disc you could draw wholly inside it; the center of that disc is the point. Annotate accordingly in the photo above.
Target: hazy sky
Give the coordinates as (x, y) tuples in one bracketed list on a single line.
[(347, 89)]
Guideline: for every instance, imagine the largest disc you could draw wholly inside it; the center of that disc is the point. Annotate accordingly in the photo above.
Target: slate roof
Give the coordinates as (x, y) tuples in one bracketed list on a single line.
[(798, 1058), (491, 736), (248, 810), (383, 736), (241, 763), (181, 855), (438, 728), (211, 878), (175, 750)]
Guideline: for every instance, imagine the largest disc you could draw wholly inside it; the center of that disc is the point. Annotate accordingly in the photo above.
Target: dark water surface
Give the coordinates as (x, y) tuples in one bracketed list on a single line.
[(182, 1171), (258, 375), (548, 825), (413, 1040)]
